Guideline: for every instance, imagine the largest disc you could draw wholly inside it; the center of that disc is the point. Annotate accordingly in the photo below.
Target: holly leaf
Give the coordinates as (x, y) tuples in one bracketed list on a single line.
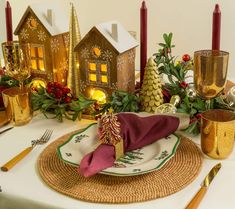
[(192, 129)]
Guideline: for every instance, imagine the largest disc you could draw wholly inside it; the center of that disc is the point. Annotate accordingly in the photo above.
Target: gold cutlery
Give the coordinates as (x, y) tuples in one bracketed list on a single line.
[(8, 129), (42, 140), (194, 203)]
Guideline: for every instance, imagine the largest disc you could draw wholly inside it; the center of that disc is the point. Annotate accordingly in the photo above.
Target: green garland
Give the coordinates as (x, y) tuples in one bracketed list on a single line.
[(58, 101), (176, 73)]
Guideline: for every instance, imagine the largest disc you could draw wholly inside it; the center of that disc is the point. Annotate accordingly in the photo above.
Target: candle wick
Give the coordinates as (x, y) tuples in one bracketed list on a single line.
[(143, 5), (8, 4), (217, 9)]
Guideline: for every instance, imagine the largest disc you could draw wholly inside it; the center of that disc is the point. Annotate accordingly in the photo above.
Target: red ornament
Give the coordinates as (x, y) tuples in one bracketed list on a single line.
[(183, 84), (186, 57)]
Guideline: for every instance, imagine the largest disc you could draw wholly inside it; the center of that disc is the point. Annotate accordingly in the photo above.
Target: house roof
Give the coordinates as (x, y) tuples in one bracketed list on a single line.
[(61, 22), (125, 40)]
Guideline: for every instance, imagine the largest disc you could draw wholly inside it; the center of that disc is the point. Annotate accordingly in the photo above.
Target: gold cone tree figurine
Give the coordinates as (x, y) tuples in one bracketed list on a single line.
[(151, 90), (74, 38)]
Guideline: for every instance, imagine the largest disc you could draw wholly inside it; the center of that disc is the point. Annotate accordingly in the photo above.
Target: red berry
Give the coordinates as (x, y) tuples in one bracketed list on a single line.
[(50, 85), (186, 57), (66, 90), (96, 106), (192, 120), (183, 84), (58, 94), (199, 115), (49, 90), (67, 99), (58, 85)]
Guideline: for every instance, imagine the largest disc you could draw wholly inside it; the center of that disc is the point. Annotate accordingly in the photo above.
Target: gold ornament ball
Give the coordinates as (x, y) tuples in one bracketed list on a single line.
[(191, 92)]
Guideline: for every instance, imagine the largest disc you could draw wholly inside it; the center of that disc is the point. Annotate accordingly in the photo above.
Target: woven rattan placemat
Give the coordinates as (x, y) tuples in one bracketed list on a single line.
[(177, 173)]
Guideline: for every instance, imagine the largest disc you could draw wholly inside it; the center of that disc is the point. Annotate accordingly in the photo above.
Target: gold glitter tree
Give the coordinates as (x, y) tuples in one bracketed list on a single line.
[(151, 90), (74, 38)]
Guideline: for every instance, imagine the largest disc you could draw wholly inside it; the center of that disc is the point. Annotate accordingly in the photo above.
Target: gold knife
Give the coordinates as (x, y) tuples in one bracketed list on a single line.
[(204, 186)]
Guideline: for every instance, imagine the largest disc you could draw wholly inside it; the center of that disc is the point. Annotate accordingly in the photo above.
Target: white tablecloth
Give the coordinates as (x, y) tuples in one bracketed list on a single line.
[(22, 188)]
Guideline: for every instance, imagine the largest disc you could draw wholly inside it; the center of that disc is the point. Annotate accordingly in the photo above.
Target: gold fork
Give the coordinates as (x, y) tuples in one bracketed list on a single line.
[(42, 140)]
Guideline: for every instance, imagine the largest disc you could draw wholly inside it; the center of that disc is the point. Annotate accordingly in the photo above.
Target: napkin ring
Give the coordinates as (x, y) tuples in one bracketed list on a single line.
[(109, 133)]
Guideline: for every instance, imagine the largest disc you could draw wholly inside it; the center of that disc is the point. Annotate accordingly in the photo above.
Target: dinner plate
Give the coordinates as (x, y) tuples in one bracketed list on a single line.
[(136, 162)]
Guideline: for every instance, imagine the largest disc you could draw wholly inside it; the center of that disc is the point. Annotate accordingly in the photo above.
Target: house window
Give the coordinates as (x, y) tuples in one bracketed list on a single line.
[(92, 77), (37, 57), (92, 66), (103, 67), (98, 72), (104, 79)]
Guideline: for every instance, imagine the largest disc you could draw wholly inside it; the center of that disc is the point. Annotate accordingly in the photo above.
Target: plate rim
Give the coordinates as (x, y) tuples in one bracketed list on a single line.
[(173, 151)]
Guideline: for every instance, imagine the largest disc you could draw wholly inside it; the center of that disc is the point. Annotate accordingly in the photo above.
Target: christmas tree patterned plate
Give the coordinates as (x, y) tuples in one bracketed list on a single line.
[(136, 162)]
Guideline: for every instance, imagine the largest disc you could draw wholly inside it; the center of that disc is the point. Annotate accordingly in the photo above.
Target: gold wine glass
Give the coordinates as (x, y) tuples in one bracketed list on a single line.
[(210, 73), (17, 60)]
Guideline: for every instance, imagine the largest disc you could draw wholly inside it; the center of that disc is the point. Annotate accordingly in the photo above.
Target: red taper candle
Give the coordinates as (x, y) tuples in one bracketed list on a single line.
[(9, 22), (216, 28), (143, 40)]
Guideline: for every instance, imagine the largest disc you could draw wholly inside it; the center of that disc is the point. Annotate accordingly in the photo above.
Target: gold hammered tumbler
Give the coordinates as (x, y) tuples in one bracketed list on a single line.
[(18, 105), (217, 133)]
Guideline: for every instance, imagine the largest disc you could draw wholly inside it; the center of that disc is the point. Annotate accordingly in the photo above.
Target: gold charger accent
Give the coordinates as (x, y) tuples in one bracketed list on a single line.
[(176, 174)]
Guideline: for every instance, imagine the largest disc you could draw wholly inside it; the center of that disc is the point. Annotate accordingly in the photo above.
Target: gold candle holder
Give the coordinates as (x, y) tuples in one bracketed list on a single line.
[(217, 133), (210, 72), (18, 105)]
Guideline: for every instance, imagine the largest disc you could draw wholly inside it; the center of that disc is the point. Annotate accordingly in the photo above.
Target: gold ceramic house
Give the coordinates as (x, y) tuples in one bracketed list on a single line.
[(106, 58), (45, 27)]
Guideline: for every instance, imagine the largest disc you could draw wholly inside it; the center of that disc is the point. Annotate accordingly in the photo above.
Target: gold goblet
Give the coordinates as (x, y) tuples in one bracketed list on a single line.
[(210, 73), (17, 60)]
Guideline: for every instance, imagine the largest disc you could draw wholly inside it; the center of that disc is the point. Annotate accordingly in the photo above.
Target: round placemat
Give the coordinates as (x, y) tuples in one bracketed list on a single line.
[(177, 173)]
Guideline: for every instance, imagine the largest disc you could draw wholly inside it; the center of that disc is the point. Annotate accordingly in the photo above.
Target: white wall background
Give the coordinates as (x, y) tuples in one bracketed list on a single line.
[(189, 20)]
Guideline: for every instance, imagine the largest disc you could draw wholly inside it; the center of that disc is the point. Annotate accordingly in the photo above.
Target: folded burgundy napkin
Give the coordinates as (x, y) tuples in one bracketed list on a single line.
[(136, 132)]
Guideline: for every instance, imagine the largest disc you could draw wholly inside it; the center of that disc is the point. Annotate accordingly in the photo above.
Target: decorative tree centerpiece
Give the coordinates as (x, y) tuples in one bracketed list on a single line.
[(151, 90)]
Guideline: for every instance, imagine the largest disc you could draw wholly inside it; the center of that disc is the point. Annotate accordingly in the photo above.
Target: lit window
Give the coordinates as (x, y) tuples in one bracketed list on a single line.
[(34, 64), (41, 65), (40, 52), (37, 57), (104, 79), (33, 52), (92, 66), (98, 72), (103, 68), (92, 77)]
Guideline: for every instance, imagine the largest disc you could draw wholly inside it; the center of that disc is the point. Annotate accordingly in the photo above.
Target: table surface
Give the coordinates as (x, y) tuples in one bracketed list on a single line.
[(22, 187)]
